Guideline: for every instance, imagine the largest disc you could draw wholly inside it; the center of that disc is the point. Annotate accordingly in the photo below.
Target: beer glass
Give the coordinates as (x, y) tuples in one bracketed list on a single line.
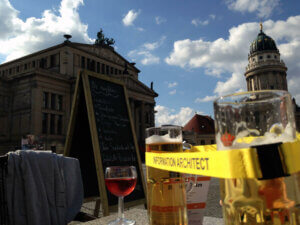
[(165, 189), (261, 119)]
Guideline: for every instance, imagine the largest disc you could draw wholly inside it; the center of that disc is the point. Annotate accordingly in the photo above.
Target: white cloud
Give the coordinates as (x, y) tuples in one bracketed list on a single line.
[(212, 16), (166, 115), (235, 83), (172, 84), (198, 22), (130, 17), (215, 72), (206, 99), (217, 57), (160, 20), (228, 56), (151, 46), (173, 92), (140, 29), (288, 33), (18, 37), (150, 59), (154, 45), (263, 8), (9, 20), (144, 56), (144, 53)]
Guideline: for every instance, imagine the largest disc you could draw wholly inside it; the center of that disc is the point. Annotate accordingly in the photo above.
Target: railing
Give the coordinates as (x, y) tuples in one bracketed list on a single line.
[(265, 63)]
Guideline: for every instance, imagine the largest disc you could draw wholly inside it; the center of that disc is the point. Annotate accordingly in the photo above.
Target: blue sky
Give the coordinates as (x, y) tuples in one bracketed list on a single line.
[(193, 50)]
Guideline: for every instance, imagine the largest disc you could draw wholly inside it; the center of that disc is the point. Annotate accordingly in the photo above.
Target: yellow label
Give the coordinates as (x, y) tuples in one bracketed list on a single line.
[(238, 163)]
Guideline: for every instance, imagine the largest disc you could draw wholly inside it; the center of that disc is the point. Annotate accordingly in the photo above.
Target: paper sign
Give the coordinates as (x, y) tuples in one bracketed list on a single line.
[(196, 199)]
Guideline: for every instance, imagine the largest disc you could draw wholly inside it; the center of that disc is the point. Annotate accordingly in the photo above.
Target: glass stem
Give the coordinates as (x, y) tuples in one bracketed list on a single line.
[(121, 208)]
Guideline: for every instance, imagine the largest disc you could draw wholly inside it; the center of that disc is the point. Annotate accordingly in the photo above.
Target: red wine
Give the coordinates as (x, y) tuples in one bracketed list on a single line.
[(120, 186)]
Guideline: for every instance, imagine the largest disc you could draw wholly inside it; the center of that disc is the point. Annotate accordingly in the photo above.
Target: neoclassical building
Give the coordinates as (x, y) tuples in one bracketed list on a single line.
[(36, 92), (265, 69)]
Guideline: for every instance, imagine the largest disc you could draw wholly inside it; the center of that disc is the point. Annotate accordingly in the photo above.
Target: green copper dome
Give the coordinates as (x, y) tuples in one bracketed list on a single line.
[(262, 43)]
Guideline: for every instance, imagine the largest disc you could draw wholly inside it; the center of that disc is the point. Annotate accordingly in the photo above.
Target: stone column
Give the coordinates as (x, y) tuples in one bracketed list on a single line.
[(248, 84), (48, 131), (36, 114), (56, 124), (152, 115), (255, 82)]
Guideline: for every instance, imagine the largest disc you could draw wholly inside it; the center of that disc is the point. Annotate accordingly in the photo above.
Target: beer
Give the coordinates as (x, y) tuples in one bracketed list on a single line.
[(165, 189), (268, 201), (257, 119), (252, 201)]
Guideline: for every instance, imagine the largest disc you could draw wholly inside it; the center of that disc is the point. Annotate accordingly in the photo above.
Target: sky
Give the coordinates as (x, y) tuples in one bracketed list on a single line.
[(193, 51)]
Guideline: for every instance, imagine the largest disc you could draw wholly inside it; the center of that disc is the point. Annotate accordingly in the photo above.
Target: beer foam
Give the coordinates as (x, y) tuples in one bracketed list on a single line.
[(163, 139), (276, 134)]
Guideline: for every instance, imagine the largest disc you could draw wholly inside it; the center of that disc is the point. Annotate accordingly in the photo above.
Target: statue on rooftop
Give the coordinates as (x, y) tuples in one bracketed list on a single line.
[(102, 40)]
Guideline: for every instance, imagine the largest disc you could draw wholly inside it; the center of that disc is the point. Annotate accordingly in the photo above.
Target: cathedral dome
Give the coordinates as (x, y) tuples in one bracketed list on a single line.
[(263, 43)]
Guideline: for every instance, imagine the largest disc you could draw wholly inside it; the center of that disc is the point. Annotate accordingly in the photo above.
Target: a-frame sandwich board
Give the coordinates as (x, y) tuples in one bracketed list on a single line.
[(101, 134)]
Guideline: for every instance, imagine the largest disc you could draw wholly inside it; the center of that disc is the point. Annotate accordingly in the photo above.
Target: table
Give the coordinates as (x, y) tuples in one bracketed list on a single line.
[(140, 216)]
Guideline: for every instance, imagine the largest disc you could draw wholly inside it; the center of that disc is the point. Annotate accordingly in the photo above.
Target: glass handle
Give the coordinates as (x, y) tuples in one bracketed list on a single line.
[(190, 182), (189, 179)]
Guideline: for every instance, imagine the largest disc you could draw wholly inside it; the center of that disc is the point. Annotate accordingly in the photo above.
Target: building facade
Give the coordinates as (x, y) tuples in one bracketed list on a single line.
[(265, 69), (36, 92), (199, 130)]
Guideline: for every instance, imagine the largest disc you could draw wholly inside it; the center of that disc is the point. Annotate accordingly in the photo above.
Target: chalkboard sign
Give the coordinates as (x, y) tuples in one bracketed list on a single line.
[(101, 134)]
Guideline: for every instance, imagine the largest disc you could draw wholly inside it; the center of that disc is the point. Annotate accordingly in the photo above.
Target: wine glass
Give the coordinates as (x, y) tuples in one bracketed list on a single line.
[(121, 181)]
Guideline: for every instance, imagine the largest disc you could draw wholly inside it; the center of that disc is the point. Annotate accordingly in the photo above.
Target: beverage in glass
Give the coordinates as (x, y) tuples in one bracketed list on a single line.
[(263, 120), (165, 189), (121, 181)]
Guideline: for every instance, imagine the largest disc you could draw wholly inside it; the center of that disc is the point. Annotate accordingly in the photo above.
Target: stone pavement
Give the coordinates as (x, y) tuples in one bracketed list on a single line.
[(213, 208)]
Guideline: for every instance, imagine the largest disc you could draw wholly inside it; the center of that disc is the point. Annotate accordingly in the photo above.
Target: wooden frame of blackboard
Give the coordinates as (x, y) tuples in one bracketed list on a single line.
[(79, 90), (73, 116), (84, 78)]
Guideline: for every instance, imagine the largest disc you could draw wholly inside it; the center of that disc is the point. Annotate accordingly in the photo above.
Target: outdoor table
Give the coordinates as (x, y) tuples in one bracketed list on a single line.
[(141, 218)]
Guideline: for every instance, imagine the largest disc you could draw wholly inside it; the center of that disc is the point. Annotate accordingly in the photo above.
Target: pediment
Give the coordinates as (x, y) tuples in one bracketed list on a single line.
[(107, 53), (135, 85)]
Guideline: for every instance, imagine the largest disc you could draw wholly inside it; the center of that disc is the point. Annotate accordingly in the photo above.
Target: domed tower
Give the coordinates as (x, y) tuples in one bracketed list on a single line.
[(265, 70)]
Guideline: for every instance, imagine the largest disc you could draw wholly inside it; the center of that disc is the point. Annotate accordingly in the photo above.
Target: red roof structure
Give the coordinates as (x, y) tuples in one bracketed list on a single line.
[(200, 124)]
